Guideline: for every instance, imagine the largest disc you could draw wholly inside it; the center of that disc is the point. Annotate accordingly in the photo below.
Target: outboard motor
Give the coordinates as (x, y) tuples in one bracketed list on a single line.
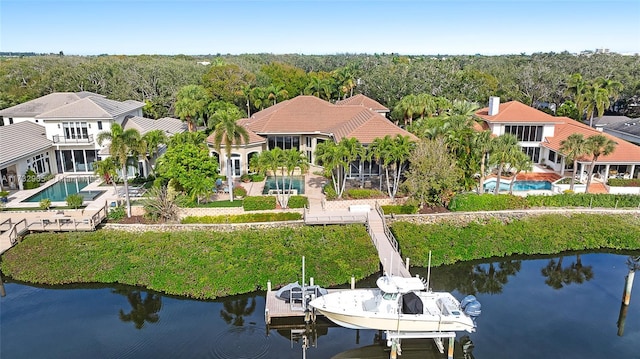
[(471, 306)]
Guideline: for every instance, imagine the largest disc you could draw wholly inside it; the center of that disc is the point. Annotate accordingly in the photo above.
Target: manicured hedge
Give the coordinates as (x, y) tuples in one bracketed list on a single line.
[(400, 209), (258, 203), (298, 202), (362, 193), (621, 182), (490, 202), (243, 218)]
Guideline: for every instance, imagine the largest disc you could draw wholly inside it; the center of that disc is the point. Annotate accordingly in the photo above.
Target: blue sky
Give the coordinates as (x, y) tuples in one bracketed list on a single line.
[(91, 27)]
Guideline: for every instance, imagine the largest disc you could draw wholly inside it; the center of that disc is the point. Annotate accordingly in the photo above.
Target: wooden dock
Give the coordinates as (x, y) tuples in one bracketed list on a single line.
[(280, 309)]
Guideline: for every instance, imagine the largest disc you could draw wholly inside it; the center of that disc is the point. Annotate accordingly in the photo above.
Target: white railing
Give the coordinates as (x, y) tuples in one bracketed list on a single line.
[(387, 231)]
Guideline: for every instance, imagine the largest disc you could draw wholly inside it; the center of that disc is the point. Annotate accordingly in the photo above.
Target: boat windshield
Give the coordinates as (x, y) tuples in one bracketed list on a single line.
[(389, 296)]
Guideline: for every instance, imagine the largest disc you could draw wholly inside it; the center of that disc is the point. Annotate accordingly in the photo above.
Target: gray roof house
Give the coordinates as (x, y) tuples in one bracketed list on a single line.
[(623, 127), (24, 145)]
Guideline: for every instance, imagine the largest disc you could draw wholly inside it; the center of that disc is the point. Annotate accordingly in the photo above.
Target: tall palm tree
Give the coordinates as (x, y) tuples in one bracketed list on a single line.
[(503, 152), (228, 133), (520, 162), (598, 145), (332, 158), (482, 143), (191, 104), (596, 100), (576, 88), (374, 152), (293, 159), (396, 155), (153, 140), (123, 144), (573, 147), (613, 87)]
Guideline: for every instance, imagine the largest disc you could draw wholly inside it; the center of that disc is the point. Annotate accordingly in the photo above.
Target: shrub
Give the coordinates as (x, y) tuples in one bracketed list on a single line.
[(244, 218), (621, 182), (31, 180), (117, 213), (75, 201), (362, 193), (245, 177), (400, 209), (239, 191), (257, 203), (585, 200), (257, 177), (487, 202), (329, 191), (298, 202), (45, 204)]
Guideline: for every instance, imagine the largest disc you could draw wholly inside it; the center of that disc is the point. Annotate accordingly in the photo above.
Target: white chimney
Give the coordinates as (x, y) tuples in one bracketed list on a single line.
[(494, 105)]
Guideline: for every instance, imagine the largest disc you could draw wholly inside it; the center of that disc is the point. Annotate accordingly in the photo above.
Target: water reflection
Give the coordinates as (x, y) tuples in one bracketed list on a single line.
[(633, 263), (142, 310), (234, 311), (558, 277), (473, 278)]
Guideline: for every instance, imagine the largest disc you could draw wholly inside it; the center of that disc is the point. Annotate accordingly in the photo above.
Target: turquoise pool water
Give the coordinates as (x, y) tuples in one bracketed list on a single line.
[(490, 185), (59, 191), (297, 184)]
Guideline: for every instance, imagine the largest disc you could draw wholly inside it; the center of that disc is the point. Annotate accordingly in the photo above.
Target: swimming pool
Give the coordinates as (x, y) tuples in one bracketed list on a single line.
[(297, 184), (490, 185), (59, 191)]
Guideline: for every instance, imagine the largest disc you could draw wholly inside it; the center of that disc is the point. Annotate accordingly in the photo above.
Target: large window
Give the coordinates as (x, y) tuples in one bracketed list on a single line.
[(284, 142), (40, 164), (75, 130), (78, 160), (533, 153), (525, 133)]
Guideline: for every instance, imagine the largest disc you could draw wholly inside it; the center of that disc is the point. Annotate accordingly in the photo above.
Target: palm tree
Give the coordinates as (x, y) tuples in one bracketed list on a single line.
[(577, 87), (229, 133), (374, 152), (482, 143), (153, 140), (520, 162), (598, 145), (596, 99), (503, 152), (613, 87), (276, 92), (345, 80), (396, 155), (259, 97), (292, 159), (108, 170), (355, 152), (573, 147), (123, 145), (332, 157), (190, 104)]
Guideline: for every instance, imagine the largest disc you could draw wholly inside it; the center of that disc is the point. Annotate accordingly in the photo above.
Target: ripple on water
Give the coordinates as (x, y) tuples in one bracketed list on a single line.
[(241, 343)]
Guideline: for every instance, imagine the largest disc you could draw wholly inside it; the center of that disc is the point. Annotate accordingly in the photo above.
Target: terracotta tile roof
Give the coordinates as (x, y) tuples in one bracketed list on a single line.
[(253, 138), (309, 115), (624, 152), (516, 112), (362, 100)]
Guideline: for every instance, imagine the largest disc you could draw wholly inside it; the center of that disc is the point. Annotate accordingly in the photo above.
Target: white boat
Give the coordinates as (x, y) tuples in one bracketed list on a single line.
[(399, 304)]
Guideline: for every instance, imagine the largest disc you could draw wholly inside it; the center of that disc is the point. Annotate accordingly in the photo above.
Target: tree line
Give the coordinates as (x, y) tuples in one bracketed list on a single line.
[(254, 81)]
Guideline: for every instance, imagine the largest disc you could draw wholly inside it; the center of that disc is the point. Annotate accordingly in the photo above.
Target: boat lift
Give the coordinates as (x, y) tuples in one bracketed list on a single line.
[(394, 339)]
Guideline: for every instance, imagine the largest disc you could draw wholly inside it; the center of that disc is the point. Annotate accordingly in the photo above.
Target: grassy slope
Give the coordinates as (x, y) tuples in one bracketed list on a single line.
[(200, 264)]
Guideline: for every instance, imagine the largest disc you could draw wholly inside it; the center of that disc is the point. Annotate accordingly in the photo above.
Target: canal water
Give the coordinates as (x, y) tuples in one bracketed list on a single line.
[(566, 306)]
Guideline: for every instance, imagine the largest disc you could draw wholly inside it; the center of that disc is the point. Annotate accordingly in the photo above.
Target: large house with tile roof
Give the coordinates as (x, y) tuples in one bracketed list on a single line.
[(540, 136), (70, 123), (305, 121)]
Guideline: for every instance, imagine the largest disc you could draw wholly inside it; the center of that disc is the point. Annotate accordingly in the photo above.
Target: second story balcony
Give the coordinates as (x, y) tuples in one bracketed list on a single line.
[(62, 139)]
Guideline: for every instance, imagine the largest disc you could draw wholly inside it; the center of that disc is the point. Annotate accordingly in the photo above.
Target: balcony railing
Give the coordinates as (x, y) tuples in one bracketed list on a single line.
[(62, 139)]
